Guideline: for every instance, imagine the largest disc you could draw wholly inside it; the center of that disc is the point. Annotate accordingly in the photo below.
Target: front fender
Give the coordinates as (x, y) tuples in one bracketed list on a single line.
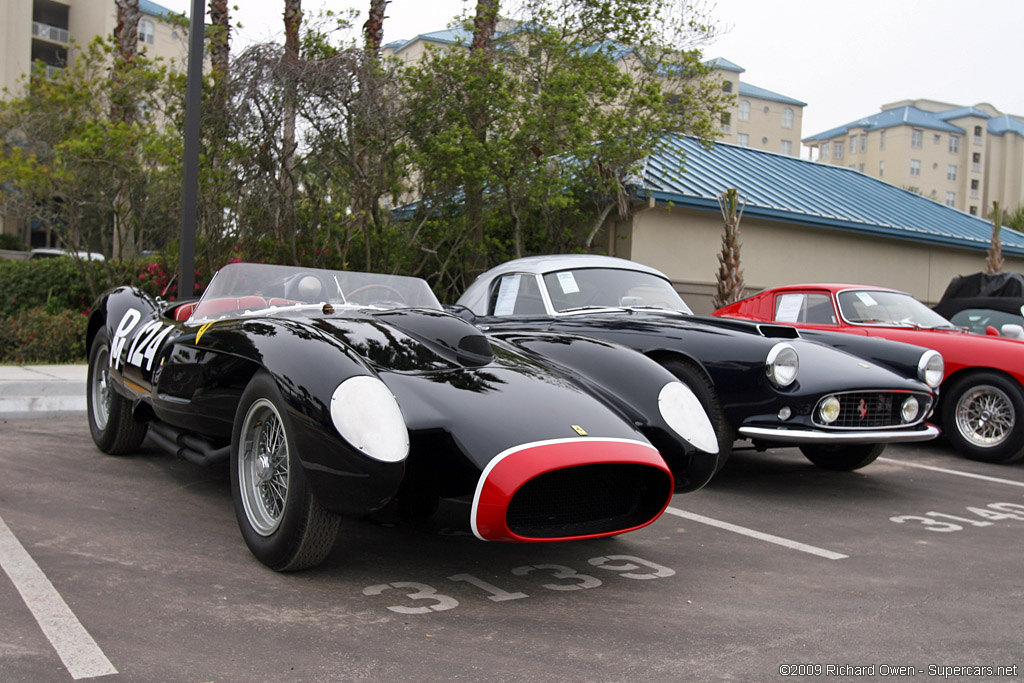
[(630, 382)]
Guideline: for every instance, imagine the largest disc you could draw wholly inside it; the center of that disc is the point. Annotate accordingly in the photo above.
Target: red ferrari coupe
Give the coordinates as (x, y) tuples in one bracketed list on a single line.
[(981, 405)]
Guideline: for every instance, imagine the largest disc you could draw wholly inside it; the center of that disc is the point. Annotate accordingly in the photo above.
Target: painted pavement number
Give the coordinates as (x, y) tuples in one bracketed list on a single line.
[(565, 579), (990, 514)]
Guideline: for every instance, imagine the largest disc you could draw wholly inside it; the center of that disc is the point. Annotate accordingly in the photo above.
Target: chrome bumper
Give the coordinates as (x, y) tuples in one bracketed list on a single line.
[(798, 436)]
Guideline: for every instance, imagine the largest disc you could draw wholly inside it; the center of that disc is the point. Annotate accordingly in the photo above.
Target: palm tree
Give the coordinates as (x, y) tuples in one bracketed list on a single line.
[(994, 260), (729, 276)]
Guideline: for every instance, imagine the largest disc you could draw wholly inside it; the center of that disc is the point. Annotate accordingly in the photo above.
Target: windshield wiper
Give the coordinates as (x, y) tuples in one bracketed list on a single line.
[(593, 308)]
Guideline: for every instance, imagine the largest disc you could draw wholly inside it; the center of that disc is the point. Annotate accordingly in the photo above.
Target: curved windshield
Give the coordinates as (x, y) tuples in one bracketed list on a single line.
[(244, 288), (888, 308), (584, 288)]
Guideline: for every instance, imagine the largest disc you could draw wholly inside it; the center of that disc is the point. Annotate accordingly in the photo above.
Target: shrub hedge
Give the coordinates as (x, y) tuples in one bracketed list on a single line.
[(45, 303), (41, 336)]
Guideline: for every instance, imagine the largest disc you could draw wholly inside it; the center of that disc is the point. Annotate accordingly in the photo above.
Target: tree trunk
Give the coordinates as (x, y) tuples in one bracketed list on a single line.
[(994, 259), (122, 110), (730, 276), (484, 26), (286, 218)]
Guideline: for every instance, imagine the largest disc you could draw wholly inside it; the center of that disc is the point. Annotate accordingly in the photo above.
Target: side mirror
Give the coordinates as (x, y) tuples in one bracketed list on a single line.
[(1012, 331)]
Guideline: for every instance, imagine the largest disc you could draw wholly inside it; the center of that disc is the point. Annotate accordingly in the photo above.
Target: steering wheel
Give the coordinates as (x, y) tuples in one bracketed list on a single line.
[(387, 288)]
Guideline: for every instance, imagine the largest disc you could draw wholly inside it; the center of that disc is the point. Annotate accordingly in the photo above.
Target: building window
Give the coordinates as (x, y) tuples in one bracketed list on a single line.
[(976, 161), (881, 140), (766, 110), (881, 169), (951, 199), (863, 142), (787, 118), (824, 151), (954, 144), (146, 31), (743, 140), (977, 135), (915, 167), (837, 149), (853, 144), (726, 122), (974, 211), (726, 86), (916, 137), (938, 139), (744, 110), (974, 188), (860, 167), (951, 172), (786, 147)]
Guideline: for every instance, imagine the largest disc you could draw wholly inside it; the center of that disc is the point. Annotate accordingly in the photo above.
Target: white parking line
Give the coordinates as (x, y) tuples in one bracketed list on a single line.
[(778, 540), (76, 648), (956, 472)]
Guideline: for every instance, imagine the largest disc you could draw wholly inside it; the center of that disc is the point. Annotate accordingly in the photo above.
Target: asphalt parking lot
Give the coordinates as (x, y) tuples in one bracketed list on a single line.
[(133, 569)]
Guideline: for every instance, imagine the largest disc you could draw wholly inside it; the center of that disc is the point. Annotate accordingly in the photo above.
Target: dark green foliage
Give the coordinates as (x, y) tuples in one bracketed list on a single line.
[(12, 243), (41, 336)]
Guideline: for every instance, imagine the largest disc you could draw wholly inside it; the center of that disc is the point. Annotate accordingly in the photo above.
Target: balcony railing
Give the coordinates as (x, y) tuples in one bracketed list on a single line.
[(53, 72), (51, 33)]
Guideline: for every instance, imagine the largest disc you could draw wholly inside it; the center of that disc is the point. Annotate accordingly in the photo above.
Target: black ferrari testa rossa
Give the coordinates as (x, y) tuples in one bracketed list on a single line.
[(340, 394)]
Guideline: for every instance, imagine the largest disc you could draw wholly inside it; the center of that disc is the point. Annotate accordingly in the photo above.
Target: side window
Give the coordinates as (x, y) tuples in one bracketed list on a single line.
[(516, 294), (805, 307)]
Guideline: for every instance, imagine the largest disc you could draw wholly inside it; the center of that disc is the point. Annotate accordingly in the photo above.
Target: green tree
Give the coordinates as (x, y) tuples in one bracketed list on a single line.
[(537, 135)]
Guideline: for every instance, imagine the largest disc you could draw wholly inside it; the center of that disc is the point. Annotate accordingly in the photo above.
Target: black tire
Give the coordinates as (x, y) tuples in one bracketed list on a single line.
[(284, 526), (701, 386), (983, 417), (111, 424), (843, 458)]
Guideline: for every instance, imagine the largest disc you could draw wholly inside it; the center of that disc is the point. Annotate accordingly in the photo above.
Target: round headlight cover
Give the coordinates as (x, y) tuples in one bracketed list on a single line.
[(782, 365), (931, 368), (366, 414), (681, 409), (828, 411), (910, 409)]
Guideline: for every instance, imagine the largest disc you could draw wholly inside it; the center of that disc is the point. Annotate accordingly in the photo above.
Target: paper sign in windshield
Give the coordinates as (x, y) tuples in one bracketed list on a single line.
[(789, 308), (508, 290), (568, 283), (867, 299)]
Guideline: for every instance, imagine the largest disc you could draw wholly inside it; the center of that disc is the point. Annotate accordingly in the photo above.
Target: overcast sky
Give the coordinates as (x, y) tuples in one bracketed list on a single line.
[(844, 59)]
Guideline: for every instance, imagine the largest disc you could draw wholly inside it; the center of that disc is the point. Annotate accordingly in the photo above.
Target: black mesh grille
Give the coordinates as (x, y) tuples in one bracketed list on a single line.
[(589, 499), (872, 409)]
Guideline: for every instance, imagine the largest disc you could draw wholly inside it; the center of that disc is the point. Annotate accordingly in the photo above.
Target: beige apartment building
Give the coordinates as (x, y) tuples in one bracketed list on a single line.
[(757, 118), (966, 157), (49, 30)]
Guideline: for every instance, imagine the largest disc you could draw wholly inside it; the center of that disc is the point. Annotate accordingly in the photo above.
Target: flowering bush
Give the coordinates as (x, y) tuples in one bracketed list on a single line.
[(39, 336)]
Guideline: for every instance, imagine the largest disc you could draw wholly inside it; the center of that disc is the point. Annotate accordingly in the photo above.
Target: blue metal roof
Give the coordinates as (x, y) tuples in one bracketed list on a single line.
[(961, 112), (1006, 124), (452, 36), (153, 9), (903, 116), (791, 190), (748, 90), (724, 65)]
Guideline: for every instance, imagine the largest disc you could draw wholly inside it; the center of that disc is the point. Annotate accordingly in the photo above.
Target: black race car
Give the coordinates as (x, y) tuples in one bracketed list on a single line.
[(985, 303), (351, 394), (757, 381)]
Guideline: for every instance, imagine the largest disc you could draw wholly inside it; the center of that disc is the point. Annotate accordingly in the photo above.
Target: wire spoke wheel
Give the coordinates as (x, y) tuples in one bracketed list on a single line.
[(263, 467), (99, 387), (985, 416)]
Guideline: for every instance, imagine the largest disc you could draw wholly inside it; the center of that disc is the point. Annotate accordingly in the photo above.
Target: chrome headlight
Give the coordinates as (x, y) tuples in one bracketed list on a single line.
[(910, 408), (782, 364), (366, 414), (681, 409), (829, 409), (931, 368)]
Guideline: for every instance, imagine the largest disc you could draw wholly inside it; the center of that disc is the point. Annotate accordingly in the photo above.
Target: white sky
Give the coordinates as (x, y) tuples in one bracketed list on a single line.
[(844, 59)]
